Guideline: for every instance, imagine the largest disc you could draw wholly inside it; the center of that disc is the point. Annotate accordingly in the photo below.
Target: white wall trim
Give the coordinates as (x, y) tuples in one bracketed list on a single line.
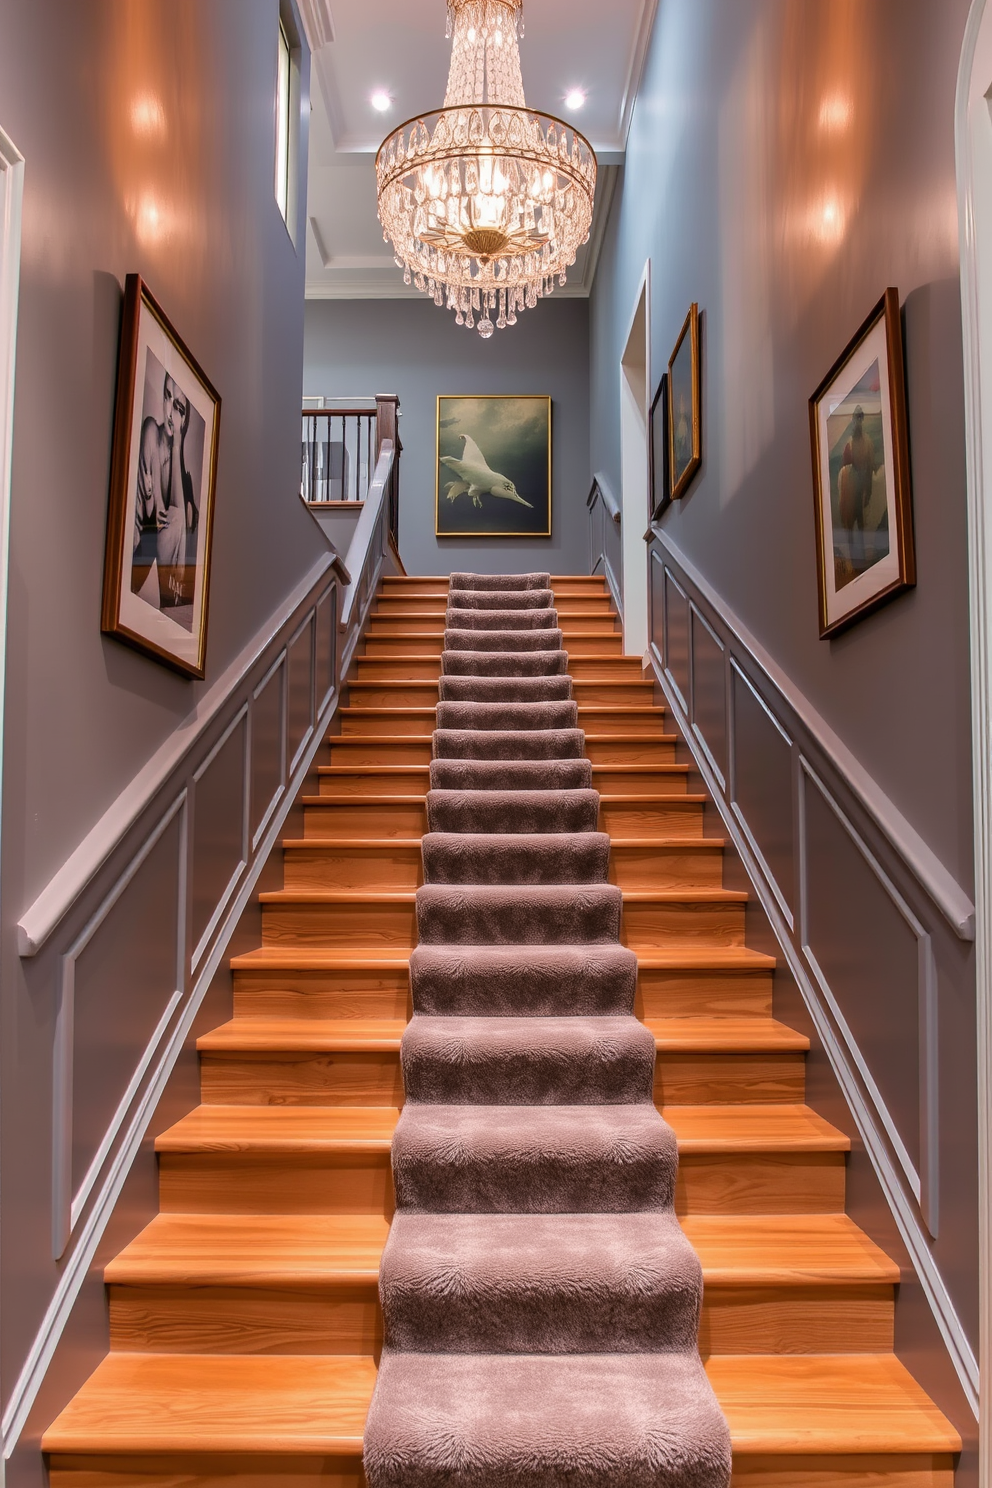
[(973, 150), (58, 896), (909, 1226), (635, 67), (634, 481), (941, 885)]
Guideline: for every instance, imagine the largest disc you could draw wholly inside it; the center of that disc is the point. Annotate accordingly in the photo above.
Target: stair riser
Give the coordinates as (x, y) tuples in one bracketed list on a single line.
[(659, 927), (436, 605), (375, 1079), (413, 669), (275, 1183), (797, 1320), (575, 624), (620, 721), (418, 724), (357, 752), (368, 926), (604, 668), (335, 993), (665, 868), (760, 1183), (668, 819), (425, 694), (413, 645), (875, 1470), (639, 751), (705, 994), (335, 869), (614, 780), (401, 819), (209, 1470), (414, 782), (700, 1079), (246, 1320)]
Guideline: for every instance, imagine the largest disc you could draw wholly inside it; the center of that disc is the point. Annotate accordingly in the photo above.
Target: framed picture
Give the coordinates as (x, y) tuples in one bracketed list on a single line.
[(493, 466), (861, 485), (156, 577), (685, 434), (661, 496)]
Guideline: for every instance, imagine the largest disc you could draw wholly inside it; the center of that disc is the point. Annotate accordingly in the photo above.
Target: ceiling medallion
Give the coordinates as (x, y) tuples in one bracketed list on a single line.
[(485, 201)]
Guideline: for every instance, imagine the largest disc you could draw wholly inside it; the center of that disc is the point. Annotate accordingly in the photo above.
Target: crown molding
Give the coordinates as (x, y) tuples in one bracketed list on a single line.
[(318, 23)]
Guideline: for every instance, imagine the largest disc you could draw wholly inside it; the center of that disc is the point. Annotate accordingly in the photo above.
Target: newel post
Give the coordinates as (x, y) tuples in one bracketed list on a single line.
[(387, 407)]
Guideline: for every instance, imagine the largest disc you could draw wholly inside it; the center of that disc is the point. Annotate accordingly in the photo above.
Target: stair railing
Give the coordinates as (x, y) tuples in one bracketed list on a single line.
[(605, 551), (370, 548), (341, 444)]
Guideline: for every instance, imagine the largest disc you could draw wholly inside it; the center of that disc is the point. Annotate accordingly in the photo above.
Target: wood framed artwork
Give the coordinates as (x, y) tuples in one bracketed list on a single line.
[(658, 451), (861, 484), (156, 577), (493, 474), (685, 428)]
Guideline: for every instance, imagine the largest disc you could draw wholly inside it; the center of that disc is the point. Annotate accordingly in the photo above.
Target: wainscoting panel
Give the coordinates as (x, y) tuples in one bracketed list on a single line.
[(268, 746), (325, 628), (874, 931), (220, 829), (301, 688), (761, 787)]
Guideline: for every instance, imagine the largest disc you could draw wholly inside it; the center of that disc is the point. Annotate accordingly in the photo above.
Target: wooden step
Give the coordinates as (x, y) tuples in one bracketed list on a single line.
[(302, 983), (397, 668), (374, 780), (424, 693), (431, 604), (377, 864), (341, 921), (666, 863), (240, 1284), (712, 981), (630, 721), (398, 621), (365, 816), (753, 1159), (361, 750), (393, 722), (792, 1284), (663, 918), (290, 1061), (718, 1060), (831, 1421), (647, 816), (604, 668), (278, 1160), (627, 749)]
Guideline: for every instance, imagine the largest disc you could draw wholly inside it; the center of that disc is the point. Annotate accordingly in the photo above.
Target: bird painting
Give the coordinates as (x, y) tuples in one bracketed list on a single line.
[(476, 478)]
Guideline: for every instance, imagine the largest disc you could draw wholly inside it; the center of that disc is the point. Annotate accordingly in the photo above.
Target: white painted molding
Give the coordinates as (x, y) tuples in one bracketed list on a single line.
[(318, 23), (635, 67), (58, 896), (908, 1223), (973, 151), (941, 885)]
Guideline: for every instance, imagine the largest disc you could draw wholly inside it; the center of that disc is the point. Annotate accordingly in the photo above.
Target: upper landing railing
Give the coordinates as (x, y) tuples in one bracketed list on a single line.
[(342, 441)]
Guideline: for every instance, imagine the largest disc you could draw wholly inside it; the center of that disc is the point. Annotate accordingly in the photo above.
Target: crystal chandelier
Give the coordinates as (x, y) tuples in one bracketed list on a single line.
[(485, 201)]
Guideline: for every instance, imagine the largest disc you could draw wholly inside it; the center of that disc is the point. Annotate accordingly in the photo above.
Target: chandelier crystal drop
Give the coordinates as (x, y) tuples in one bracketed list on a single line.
[(485, 201)]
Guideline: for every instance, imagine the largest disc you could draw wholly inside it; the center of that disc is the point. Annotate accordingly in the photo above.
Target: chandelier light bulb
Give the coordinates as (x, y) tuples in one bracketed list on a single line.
[(486, 201)]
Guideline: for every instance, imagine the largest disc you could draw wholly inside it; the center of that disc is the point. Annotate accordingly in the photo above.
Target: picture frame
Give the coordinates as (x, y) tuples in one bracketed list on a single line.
[(156, 580), (658, 452), (685, 424), (862, 496), (493, 465)]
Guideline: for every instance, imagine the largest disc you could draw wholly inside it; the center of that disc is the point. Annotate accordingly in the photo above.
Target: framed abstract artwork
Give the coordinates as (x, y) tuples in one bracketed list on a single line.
[(493, 473), (658, 451), (861, 483), (156, 578), (685, 430)]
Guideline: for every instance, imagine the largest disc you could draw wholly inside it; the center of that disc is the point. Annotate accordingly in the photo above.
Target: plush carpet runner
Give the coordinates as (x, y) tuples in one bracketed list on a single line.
[(541, 1303)]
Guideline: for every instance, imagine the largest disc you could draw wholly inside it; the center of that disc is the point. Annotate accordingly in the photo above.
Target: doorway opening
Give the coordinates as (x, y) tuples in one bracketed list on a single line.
[(635, 393)]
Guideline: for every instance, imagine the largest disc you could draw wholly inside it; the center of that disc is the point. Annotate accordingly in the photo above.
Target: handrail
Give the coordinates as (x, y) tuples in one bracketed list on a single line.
[(601, 489), (369, 527)]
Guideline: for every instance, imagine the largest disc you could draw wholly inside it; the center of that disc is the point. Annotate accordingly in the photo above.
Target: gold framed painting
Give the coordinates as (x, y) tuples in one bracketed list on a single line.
[(861, 482), (685, 424), (493, 471), (156, 577)]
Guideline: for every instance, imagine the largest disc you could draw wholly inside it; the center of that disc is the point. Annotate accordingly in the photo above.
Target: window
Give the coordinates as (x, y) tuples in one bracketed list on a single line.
[(283, 125)]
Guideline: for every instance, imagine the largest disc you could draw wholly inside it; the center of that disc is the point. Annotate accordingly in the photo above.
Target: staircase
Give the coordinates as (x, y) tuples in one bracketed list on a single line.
[(244, 1319)]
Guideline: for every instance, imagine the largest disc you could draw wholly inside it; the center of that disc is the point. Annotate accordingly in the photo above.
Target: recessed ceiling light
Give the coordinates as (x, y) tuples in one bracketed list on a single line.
[(574, 98), (381, 101)]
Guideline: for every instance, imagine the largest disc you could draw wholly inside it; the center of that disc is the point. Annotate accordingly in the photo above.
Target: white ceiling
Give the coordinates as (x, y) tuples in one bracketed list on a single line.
[(399, 46)]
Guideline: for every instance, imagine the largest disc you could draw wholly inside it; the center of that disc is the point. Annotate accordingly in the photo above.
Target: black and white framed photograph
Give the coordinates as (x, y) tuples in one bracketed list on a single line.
[(163, 473)]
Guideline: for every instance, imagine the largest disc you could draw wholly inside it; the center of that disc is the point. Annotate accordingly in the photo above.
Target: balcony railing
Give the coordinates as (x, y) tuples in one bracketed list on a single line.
[(342, 441)]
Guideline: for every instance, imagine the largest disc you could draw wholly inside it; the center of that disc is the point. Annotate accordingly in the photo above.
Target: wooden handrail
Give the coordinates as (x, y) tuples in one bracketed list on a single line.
[(365, 552), (601, 490)]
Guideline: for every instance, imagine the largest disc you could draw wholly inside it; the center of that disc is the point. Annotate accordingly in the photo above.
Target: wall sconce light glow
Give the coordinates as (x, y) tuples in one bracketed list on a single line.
[(828, 220), (147, 115), (381, 101), (574, 98), (150, 222), (836, 113)]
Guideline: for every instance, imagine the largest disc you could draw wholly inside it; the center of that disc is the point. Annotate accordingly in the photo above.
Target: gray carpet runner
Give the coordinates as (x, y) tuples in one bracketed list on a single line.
[(541, 1303)]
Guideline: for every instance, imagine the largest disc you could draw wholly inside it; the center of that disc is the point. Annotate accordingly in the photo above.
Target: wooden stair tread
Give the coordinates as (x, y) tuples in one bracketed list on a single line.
[(827, 1403), (146, 1403), (705, 958), (725, 1035), (252, 1250), (751, 1128), (315, 958), (365, 800), (282, 1129), (282, 1035), (785, 1250), (408, 896)]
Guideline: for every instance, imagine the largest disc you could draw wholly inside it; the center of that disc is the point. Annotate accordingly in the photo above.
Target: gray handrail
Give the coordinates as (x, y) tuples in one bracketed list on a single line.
[(601, 490), (362, 552)]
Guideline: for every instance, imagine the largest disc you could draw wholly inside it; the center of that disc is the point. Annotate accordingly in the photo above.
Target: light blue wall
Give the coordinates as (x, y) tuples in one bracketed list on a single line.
[(412, 348), (738, 143)]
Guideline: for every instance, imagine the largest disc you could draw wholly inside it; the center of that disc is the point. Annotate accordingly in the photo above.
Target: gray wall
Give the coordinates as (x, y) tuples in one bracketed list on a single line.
[(728, 167), (412, 348), (84, 713)]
